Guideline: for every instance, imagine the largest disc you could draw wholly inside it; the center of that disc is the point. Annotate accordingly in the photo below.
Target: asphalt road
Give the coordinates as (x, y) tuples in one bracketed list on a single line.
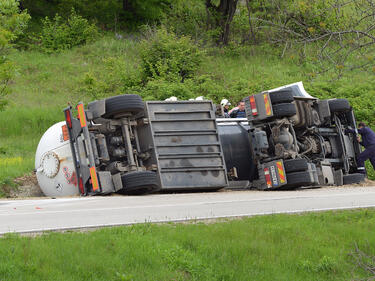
[(25, 216)]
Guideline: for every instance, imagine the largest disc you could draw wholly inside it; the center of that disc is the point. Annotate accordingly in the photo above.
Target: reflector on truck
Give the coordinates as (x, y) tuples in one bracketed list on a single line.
[(273, 174), (94, 179), (268, 177), (253, 106), (68, 117), (258, 107), (81, 115), (267, 104), (65, 133), (280, 169)]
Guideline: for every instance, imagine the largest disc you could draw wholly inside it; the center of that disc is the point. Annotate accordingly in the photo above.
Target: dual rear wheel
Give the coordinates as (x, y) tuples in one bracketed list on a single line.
[(138, 182)]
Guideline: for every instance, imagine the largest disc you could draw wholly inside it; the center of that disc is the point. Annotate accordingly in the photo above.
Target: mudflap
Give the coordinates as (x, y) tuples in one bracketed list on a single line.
[(272, 175)]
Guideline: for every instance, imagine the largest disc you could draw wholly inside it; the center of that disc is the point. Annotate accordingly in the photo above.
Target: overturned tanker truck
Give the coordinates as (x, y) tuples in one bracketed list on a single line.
[(125, 145)]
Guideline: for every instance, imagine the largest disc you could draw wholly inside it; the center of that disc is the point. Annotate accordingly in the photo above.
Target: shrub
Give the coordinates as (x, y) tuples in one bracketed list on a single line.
[(12, 24), (103, 12), (6, 74), (59, 34), (300, 17), (166, 56), (188, 18)]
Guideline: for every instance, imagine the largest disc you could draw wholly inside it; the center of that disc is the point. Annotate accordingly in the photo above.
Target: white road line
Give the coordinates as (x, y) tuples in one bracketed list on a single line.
[(42, 211), (37, 230)]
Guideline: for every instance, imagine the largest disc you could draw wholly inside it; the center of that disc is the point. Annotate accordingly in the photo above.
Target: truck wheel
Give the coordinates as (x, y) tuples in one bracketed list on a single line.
[(298, 179), (123, 104), (284, 110), (295, 165), (339, 105), (139, 182), (353, 178), (283, 96)]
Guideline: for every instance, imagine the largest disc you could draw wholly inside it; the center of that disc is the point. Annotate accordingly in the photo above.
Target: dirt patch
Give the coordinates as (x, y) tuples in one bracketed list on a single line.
[(367, 182), (27, 186)]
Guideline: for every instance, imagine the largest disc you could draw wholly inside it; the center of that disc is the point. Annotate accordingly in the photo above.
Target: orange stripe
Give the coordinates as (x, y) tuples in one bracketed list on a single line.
[(81, 115), (65, 133), (281, 171), (94, 179), (267, 104)]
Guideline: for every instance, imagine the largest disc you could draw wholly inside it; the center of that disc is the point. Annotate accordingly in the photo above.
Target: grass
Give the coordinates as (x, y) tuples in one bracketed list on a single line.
[(45, 84), (313, 246)]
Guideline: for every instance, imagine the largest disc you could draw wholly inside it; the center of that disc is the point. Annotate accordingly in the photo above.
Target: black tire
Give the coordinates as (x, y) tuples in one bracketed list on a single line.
[(339, 105), (284, 110), (298, 179), (295, 165), (123, 104), (353, 178), (139, 182), (283, 96)]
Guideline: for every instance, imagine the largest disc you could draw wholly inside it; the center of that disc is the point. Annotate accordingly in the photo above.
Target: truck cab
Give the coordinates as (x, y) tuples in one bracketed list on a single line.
[(299, 140)]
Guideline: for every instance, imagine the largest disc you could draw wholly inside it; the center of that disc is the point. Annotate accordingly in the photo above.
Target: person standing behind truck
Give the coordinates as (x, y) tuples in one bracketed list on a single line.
[(225, 104), (368, 141), (239, 112)]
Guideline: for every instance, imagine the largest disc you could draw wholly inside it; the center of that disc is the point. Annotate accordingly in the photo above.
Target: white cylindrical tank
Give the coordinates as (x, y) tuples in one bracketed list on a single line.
[(54, 163)]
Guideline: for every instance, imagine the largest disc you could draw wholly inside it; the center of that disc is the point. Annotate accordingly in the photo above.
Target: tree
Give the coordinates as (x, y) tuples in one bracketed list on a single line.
[(337, 34), (12, 24), (223, 15)]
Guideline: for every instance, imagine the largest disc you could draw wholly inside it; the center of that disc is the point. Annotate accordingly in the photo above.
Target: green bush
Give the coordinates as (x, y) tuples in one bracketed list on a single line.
[(300, 17), (106, 13), (166, 56), (109, 14), (360, 97), (6, 74), (59, 34), (12, 24), (188, 18)]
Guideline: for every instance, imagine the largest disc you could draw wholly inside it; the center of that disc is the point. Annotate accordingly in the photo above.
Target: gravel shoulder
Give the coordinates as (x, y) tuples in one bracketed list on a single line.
[(28, 188)]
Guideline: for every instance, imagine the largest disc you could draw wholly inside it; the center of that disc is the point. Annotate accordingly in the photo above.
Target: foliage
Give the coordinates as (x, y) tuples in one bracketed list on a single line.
[(105, 13), (109, 14), (294, 17), (6, 74), (359, 97), (145, 11), (160, 89), (59, 34), (189, 18), (337, 35), (12, 24), (166, 56)]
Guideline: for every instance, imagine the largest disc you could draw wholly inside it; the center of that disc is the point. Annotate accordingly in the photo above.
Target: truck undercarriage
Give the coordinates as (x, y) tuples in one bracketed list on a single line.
[(122, 144), (308, 135)]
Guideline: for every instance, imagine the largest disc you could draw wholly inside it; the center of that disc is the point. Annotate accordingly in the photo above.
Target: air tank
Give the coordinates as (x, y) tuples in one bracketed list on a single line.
[(235, 141)]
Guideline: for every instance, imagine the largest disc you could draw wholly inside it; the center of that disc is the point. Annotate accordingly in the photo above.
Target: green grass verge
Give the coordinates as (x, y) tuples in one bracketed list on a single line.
[(313, 246)]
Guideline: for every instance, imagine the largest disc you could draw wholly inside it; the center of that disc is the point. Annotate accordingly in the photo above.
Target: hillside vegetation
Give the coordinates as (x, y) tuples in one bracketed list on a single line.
[(83, 55)]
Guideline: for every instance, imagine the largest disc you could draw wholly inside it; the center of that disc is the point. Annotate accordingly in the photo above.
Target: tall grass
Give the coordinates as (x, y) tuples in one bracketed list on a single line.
[(20, 131), (277, 247)]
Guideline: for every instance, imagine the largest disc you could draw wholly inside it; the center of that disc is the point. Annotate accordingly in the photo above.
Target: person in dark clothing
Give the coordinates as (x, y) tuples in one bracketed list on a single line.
[(368, 141), (239, 112)]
